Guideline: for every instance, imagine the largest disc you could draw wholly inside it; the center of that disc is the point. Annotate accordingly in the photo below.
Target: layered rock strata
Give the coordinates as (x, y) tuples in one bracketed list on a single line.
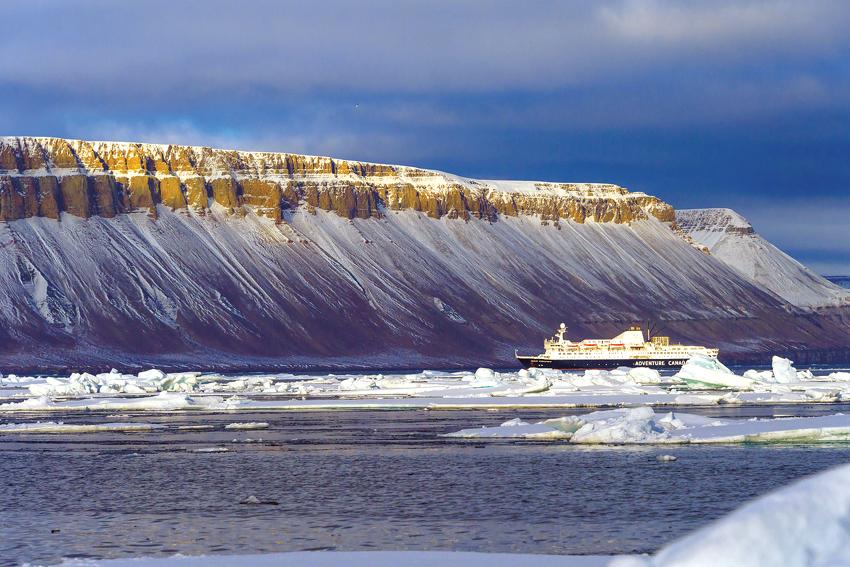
[(47, 176)]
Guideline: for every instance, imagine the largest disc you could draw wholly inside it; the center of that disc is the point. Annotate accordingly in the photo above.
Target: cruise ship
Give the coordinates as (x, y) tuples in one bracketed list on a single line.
[(629, 348)]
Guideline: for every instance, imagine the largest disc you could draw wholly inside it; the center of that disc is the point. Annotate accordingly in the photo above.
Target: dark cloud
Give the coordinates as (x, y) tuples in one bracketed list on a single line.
[(701, 102)]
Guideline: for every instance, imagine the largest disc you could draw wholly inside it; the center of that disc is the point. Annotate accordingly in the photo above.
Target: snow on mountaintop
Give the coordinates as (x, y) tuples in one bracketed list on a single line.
[(731, 238), (252, 162)]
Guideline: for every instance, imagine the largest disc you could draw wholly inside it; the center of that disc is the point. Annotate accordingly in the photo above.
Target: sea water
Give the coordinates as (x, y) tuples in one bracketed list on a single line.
[(367, 480)]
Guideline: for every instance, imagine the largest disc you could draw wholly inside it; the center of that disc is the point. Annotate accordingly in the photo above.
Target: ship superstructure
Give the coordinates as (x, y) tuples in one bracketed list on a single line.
[(629, 348)]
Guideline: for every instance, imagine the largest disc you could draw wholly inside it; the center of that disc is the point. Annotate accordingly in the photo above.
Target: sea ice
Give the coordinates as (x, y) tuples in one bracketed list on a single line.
[(60, 427), (248, 425), (697, 383), (152, 374), (783, 371), (711, 373), (643, 375), (164, 401), (515, 428), (147, 382), (621, 426), (644, 426)]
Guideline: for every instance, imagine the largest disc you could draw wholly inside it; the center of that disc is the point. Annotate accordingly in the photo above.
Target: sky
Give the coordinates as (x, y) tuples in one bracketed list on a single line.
[(704, 103)]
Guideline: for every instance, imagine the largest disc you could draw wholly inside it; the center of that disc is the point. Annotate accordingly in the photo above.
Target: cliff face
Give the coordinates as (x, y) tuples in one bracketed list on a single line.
[(138, 255), (42, 177)]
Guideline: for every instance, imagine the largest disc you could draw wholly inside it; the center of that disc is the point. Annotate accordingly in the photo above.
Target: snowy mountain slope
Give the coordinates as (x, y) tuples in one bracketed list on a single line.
[(731, 238), (176, 256)]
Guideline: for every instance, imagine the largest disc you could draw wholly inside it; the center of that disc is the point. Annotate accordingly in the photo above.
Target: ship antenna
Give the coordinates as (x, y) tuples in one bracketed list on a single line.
[(651, 329)]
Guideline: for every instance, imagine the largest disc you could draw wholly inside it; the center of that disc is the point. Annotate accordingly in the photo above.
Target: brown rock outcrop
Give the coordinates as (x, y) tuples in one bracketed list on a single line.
[(76, 198), (197, 196), (105, 195), (143, 193), (171, 192), (225, 192), (263, 196), (48, 197)]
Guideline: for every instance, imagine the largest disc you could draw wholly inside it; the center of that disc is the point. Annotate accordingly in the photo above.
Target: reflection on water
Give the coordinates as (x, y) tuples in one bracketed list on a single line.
[(368, 480)]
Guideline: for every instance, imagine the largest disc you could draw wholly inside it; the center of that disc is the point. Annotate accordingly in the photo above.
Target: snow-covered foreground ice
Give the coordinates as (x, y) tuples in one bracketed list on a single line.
[(643, 425), (804, 525), (701, 381)]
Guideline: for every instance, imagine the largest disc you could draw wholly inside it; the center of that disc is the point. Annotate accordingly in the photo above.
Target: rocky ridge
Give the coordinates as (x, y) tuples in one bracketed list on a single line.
[(731, 238), (47, 176)]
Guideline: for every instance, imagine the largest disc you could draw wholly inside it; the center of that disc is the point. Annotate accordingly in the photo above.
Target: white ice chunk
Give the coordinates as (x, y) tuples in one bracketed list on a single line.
[(152, 374), (644, 375), (711, 373), (623, 426), (783, 371), (484, 374), (759, 375)]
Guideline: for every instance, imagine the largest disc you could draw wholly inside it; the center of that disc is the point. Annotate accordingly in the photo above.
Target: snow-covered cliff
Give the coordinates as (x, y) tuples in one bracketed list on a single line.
[(43, 177), (731, 238), (128, 254)]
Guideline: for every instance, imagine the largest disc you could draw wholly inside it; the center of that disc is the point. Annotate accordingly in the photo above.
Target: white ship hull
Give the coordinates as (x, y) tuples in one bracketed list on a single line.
[(600, 363)]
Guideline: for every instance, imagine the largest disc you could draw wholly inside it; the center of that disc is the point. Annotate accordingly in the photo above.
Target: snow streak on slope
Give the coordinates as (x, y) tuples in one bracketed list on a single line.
[(319, 288), (731, 238)]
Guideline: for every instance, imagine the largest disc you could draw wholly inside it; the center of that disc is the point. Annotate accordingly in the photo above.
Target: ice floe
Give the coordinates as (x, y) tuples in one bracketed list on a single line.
[(710, 372), (248, 425), (164, 401), (147, 382), (60, 427), (644, 426)]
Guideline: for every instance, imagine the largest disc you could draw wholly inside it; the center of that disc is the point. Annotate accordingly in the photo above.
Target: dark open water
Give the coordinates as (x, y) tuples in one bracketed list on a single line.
[(368, 480)]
